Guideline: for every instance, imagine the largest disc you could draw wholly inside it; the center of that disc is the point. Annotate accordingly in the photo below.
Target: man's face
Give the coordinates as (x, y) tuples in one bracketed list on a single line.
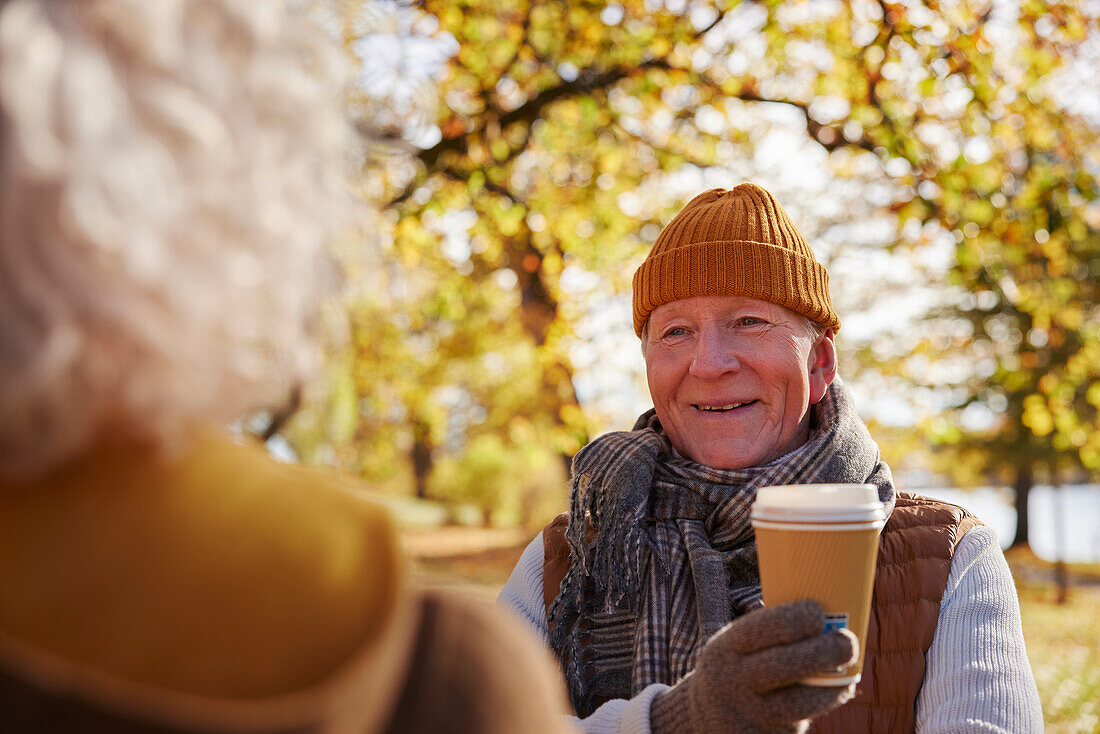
[(732, 378)]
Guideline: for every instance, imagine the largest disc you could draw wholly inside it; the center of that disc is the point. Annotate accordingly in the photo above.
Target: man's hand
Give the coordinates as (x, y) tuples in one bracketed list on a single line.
[(746, 680)]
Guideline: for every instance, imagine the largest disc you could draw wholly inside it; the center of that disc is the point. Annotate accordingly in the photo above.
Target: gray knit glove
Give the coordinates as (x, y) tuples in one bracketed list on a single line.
[(746, 679)]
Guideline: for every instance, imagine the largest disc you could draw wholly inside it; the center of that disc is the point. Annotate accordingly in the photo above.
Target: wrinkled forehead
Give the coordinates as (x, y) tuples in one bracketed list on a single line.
[(720, 306)]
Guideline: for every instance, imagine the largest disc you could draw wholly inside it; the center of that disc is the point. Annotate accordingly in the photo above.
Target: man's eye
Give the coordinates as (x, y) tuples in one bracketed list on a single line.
[(751, 321), (675, 331)]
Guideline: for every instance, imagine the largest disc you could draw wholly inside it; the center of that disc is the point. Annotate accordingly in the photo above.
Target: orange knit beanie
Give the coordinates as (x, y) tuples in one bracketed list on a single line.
[(733, 243)]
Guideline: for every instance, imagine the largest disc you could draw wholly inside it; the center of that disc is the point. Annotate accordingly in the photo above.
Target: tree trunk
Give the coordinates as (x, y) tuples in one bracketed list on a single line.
[(538, 313), (1061, 576), (421, 457), (1022, 485)]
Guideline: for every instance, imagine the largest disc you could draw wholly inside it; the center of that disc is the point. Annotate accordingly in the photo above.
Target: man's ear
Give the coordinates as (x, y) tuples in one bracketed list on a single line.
[(822, 364)]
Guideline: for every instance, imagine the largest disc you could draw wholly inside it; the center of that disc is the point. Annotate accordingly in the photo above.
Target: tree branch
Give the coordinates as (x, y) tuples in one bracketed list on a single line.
[(587, 81)]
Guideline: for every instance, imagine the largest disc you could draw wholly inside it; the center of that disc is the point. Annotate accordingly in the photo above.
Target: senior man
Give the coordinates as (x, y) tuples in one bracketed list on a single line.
[(648, 590)]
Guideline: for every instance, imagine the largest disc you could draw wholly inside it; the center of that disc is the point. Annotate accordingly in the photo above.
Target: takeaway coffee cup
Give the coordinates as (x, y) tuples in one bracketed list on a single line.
[(820, 542)]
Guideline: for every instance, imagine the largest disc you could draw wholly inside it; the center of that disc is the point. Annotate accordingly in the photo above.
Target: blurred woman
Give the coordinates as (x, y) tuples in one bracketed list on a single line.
[(170, 173)]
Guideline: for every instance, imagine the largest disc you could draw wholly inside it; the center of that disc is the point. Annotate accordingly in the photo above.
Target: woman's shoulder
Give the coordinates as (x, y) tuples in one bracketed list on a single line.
[(218, 570), (316, 501)]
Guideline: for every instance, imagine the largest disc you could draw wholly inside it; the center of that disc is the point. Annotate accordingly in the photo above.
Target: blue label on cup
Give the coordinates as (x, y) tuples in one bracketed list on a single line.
[(835, 622)]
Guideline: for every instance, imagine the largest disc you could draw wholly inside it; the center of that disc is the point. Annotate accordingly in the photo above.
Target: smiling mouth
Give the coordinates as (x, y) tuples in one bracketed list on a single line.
[(721, 408)]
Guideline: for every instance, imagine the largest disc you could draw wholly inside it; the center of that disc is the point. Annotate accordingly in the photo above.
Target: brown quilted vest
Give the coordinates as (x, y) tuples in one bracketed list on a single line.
[(914, 560)]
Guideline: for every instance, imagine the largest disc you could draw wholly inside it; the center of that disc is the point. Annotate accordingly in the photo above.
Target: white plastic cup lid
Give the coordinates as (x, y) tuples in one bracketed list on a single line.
[(808, 501)]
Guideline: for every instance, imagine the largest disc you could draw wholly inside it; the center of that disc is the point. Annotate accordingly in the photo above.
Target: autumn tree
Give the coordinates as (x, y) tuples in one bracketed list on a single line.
[(1000, 163), (561, 128)]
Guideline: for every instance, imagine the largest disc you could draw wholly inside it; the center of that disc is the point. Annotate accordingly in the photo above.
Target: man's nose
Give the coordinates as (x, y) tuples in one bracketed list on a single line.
[(714, 356)]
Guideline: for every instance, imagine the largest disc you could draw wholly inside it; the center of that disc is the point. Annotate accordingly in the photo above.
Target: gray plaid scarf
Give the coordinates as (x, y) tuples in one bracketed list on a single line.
[(662, 551)]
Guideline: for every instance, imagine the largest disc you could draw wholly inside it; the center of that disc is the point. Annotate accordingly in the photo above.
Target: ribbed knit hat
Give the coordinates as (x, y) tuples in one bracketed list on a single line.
[(733, 243)]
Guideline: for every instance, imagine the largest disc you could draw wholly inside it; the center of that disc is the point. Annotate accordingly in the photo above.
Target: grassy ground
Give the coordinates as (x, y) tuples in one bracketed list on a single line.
[(1063, 640)]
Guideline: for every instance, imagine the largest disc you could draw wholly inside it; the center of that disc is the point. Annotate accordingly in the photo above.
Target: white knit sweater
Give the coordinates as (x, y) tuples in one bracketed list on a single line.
[(978, 678)]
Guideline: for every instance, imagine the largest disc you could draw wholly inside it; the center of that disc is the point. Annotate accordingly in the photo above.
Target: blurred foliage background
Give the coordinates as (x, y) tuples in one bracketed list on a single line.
[(942, 158)]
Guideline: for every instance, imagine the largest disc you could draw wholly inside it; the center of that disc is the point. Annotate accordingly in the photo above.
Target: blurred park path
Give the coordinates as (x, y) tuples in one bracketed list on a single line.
[(458, 541), (476, 560)]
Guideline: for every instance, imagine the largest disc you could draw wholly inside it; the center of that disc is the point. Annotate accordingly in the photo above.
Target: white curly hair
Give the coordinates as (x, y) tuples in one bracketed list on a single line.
[(170, 174)]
